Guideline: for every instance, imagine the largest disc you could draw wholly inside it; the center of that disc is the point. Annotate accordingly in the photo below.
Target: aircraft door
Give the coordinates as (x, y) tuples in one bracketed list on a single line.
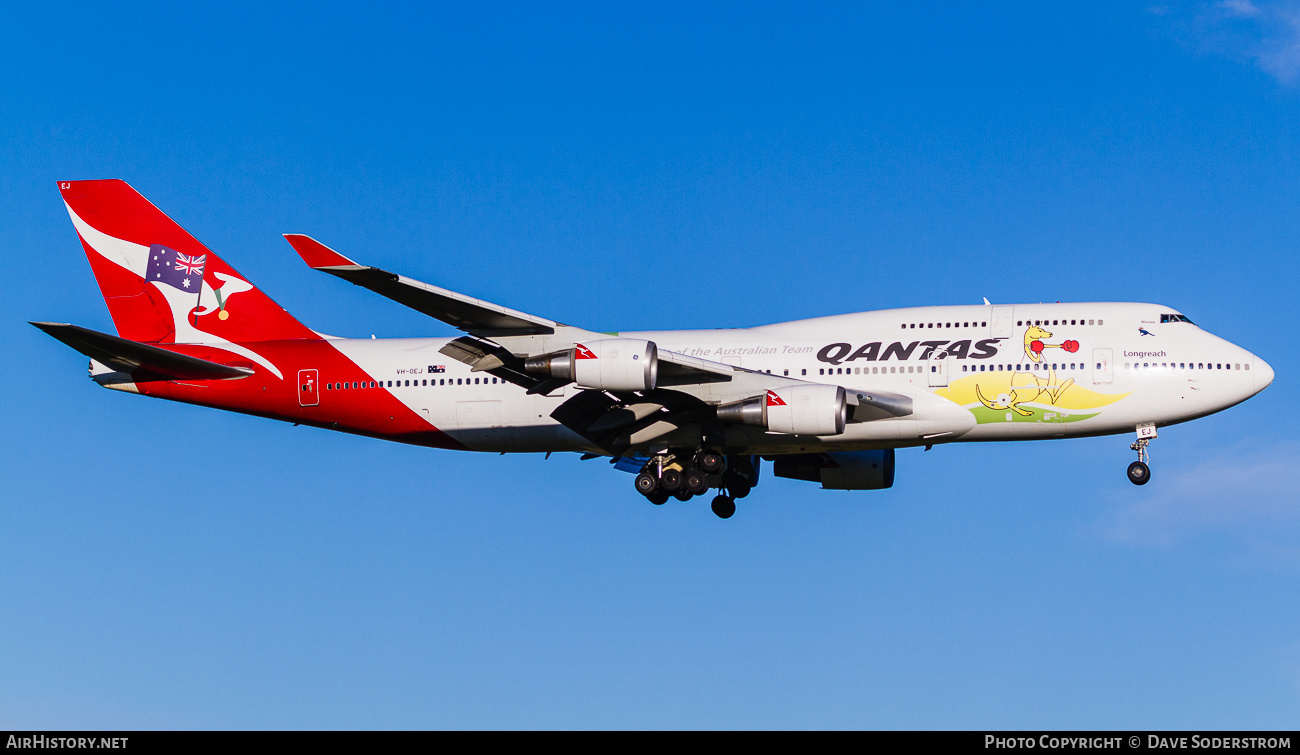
[(308, 387), (1003, 324), (1103, 371), (937, 370), (481, 425)]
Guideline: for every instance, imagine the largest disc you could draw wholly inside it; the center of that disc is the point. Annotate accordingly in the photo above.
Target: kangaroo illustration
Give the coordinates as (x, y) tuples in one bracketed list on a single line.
[(1026, 386)]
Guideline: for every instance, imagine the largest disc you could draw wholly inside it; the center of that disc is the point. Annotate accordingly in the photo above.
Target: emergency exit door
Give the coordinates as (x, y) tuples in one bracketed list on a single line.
[(308, 387), (1003, 322), (1102, 369), (938, 371)]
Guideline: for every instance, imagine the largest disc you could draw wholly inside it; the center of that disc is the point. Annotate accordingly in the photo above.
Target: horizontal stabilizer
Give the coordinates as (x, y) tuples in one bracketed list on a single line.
[(130, 356), (470, 315)]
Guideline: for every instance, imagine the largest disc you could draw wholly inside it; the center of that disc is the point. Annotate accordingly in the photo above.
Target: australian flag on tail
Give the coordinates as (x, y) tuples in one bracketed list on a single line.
[(176, 269)]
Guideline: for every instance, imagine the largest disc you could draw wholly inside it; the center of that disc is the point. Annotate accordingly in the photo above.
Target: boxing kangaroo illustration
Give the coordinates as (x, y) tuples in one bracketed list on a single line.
[(1010, 389)]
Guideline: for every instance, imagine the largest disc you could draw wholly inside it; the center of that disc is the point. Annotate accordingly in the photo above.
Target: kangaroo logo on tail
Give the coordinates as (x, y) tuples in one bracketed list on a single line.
[(1018, 387)]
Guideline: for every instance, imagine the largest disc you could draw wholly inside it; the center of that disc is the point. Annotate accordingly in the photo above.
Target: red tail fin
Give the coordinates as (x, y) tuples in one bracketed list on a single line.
[(161, 285)]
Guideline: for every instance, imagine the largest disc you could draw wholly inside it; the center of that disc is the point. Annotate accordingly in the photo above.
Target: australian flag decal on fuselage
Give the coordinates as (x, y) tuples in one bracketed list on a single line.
[(176, 269)]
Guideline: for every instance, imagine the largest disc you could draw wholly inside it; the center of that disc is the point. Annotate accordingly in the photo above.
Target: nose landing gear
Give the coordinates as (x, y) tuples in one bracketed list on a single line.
[(1138, 472)]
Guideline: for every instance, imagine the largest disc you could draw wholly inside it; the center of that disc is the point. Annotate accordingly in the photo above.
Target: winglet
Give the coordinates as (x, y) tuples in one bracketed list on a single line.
[(316, 254)]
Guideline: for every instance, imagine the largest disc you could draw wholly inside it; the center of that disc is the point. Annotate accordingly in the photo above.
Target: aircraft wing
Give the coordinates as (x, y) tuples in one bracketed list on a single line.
[(471, 315), (500, 341)]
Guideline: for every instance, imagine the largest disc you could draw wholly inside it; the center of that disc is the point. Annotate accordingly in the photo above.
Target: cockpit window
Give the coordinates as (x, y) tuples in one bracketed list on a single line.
[(1176, 318)]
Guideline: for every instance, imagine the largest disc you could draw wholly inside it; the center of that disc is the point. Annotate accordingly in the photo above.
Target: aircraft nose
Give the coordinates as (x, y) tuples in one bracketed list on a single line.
[(1263, 374)]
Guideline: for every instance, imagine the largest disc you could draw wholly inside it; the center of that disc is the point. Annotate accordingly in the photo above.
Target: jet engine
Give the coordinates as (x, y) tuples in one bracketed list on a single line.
[(840, 470), (808, 409), (611, 364)]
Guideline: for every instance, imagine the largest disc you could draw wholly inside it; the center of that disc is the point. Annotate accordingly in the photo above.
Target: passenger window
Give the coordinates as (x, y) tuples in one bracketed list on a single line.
[(803, 372)]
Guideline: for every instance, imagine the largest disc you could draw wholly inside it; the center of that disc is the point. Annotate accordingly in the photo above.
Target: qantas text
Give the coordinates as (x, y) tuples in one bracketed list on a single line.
[(839, 353)]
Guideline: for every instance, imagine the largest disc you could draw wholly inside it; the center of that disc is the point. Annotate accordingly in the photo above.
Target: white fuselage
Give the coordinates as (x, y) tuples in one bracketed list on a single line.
[(1017, 372)]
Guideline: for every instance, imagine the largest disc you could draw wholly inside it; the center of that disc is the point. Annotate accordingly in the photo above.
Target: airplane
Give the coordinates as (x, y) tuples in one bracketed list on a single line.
[(825, 400)]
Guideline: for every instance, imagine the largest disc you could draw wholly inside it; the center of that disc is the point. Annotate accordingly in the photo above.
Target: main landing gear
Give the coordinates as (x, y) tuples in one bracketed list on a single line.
[(684, 475), (1138, 472)]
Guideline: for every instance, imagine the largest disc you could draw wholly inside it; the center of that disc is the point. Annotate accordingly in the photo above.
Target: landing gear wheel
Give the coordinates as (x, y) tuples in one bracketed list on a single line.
[(683, 495), (659, 497), (671, 480), (724, 507), (646, 483), (1139, 473), (710, 462), (696, 483)]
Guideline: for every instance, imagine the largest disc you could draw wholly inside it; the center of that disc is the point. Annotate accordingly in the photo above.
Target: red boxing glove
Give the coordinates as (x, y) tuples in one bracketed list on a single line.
[(1037, 347), (1070, 346)]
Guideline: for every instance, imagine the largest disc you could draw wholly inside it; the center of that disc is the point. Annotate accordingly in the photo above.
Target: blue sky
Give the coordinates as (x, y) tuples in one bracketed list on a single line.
[(648, 167)]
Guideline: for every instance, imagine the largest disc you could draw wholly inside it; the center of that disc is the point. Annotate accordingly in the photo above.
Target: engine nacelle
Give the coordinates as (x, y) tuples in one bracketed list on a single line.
[(840, 470), (611, 364), (806, 409)]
